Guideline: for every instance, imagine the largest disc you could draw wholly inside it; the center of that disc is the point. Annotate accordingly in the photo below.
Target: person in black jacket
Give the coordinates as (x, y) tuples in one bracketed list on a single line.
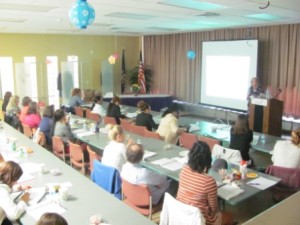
[(241, 137), (144, 118), (113, 109)]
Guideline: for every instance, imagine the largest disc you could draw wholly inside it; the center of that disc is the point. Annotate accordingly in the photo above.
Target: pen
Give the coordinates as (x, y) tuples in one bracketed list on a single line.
[(253, 183), (43, 196)]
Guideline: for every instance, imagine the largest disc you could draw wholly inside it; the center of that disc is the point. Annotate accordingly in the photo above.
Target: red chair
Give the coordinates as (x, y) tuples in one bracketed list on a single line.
[(92, 156), (126, 125), (58, 148), (109, 120), (138, 130), (151, 134), (92, 116), (27, 130), (78, 111), (210, 141), (139, 198), (77, 157), (187, 140)]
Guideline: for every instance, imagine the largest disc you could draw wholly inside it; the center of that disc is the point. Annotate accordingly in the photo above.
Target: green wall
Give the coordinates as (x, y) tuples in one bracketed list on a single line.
[(91, 50)]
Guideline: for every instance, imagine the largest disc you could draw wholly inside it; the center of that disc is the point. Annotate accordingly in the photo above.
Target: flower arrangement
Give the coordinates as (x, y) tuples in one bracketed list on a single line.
[(135, 88)]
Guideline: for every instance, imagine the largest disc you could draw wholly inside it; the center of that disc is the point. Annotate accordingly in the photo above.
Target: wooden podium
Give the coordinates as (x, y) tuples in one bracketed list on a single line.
[(265, 116)]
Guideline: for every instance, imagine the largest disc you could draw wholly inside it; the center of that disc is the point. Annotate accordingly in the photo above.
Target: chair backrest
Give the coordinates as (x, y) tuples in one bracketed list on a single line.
[(138, 130), (27, 130), (187, 140), (109, 120), (151, 134), (58, 147), (41, 139), (137, 195), (230, 155), (92, 116), (92, 156), (76, 155), (290, 177), (126, 125), (210, 141), (175, 212), (78, 111), (107, 177)]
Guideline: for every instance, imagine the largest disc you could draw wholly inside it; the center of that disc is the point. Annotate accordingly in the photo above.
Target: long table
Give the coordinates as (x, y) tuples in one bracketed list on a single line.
[(100, 140), (86, 198)]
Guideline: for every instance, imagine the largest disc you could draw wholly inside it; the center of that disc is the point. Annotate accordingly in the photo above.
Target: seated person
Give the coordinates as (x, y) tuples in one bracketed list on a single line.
[(6, 98), (287, 153), (144, 118), (32, 118), (198, 189), (25, 103), (75, 100), (114, 153), (113, 109), (61, 128), (134, 173), (97, 106), (46, 124), (241, 137), (168, 128), (10, 172), (51, 219), (12, 112)]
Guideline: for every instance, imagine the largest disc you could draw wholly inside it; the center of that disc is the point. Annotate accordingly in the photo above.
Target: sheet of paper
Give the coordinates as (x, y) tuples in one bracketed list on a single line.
[(86, 133), (228, 191), (161, 161), (173, 165), (36, 211), (29, 167), (149, 154), (193, 128), (131, 115), (262, 183), (36, 195), (78, 131), (25, 177), (255, 139)]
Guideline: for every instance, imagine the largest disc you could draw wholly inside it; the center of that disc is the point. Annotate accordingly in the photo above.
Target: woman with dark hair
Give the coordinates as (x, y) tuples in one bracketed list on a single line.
[(113, 109), (198, 189), (10, 172), (51, 219), (46, 124), (25, 103), (6, 98), (144, 118), (97, 106), (168, 128), (241, 137), (33, 117)]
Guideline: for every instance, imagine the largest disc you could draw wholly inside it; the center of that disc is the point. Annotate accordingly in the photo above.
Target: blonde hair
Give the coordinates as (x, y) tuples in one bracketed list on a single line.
[(76, 91), (296, 137), (114, 131), (13, 102)]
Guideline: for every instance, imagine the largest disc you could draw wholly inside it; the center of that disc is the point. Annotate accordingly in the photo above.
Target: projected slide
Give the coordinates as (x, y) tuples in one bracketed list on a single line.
[(227, 68)]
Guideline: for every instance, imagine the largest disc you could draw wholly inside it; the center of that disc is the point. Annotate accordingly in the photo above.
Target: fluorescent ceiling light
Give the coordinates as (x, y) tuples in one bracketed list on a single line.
[(130, 16), (19, 7), (264, 16), (192, 4)]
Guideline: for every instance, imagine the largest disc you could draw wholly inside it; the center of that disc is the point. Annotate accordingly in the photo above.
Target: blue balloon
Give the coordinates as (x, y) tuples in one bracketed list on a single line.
[(81, 14), (191, 54)]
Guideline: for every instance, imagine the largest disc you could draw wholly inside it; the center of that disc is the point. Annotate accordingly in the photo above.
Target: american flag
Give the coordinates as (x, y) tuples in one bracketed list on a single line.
[(141, 76)]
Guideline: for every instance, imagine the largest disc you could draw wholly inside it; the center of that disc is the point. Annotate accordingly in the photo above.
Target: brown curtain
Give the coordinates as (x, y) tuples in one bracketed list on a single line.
[(278, 61)]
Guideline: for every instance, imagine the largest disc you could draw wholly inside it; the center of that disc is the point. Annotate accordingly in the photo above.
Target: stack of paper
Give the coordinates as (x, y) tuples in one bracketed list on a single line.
[(131, 115), (262, 183), (194, 127), (170, 164), (36, 211), (86, 133), (148, 154), (229, 191)]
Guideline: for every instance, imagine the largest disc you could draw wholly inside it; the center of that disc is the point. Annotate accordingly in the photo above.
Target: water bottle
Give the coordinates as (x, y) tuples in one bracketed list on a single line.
[(243, 169), (97, 127)]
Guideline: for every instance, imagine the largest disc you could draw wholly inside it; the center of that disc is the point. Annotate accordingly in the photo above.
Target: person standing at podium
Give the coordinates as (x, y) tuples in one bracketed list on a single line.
[(254, 90)]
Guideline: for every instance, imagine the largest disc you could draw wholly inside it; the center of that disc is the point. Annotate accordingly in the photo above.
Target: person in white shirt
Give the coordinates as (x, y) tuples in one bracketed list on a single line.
[(10, 172), (134, 173), (168, 128), (114, 153), (287, 153), (97, 106)]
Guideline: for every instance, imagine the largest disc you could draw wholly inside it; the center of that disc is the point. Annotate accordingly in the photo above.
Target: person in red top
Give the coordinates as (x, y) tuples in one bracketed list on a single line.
[(198, 189), (25, 102), (32, 117)]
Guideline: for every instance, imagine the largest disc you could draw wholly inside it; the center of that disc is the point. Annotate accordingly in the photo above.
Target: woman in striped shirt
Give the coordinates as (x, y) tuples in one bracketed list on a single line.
[(199, 189)]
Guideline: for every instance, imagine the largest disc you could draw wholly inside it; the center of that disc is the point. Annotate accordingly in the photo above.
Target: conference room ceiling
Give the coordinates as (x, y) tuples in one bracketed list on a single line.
[(145, 17)]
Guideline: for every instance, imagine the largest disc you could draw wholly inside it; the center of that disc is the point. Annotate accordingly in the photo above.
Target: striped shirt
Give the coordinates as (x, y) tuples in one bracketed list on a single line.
[(199, 190)]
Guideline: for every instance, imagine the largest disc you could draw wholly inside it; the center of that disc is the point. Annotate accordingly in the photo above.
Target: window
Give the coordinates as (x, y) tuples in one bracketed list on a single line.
[(30, 67), (6, 75), (73, 61), (52, 75)]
